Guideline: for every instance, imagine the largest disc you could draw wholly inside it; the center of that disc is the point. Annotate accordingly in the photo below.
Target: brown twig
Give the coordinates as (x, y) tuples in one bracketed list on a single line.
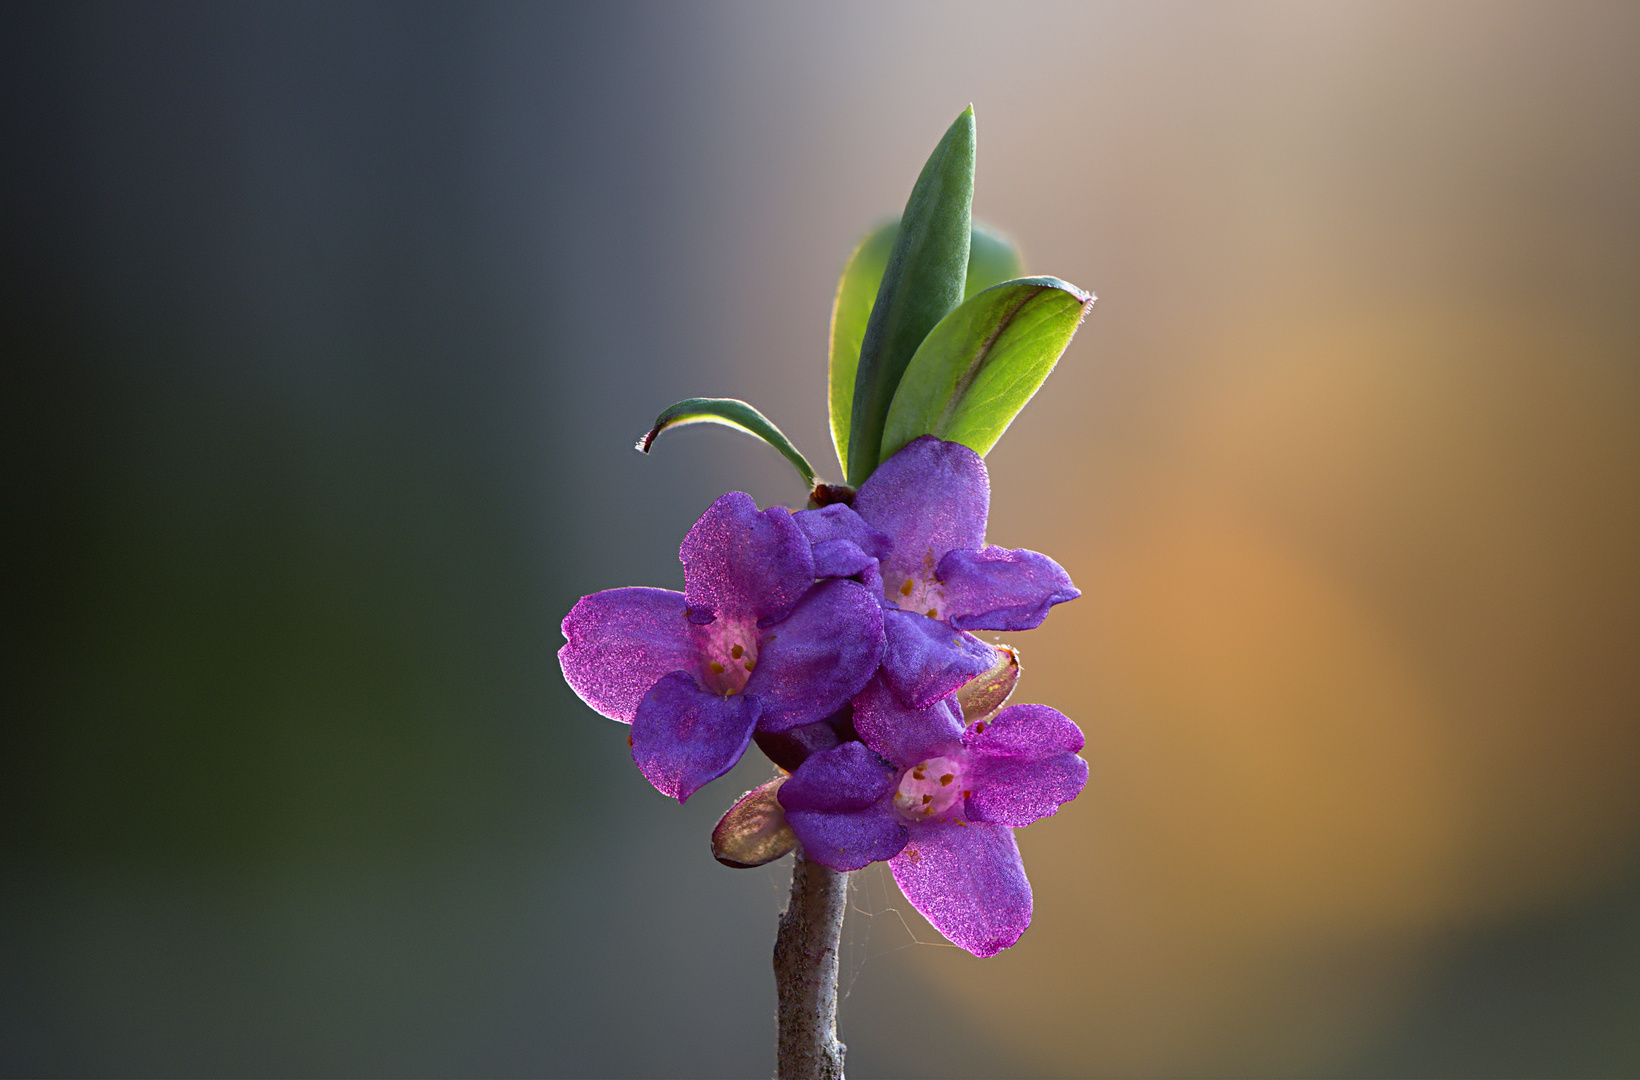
[(805, 973)]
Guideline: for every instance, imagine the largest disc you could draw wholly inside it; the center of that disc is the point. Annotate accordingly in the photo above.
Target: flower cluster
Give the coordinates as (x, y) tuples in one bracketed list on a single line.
[(839, 639)]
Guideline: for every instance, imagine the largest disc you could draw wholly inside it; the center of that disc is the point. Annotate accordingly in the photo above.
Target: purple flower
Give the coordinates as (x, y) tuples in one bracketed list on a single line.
[(940, 803), (844, 545), (938, 578), (751, 644)]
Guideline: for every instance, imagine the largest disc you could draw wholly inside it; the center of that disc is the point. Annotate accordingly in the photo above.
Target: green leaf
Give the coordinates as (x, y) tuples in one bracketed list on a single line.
[(923, 280), (856, 290), (984, 362), (733, 413), (992, 258)]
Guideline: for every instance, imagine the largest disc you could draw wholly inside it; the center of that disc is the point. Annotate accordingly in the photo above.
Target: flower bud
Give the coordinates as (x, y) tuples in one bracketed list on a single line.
[(754, 831), (985, 694)]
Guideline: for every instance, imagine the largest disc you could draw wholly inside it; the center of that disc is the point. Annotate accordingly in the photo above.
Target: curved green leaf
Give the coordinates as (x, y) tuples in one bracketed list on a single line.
[(923, 280), (733, 413), (992, 258), (984, 362)]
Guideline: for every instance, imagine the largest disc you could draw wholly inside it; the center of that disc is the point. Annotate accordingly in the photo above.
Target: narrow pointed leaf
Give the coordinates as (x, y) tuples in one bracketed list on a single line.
[(992, 259), (856, 290), (980, 366), (732, 413), (924, 280)]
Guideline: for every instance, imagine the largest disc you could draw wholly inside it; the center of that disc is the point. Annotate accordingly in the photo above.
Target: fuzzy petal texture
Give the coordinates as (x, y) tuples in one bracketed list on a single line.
[(924, 659), (1002, 589), (838, 804), (739, 563), (810, 664), (852, 840), (929, 498), (844, 545), (847, 777), (619, 645), (1023, 764), (684, 736), (968, 882), (841, 559), (901, 734)]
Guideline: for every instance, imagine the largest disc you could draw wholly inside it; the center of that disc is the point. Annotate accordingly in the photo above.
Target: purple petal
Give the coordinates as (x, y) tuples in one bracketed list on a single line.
[(838, 804), (840, 522), (848, 777), (742, 564), (999, 589), (844, 545), (968, 881), (852, 840), (924, 659), (684, 737), (841, 558), (789, 749), (620, 643), (872, 578), (811, 663), (903, 735), (1023, 764), (929, 498)]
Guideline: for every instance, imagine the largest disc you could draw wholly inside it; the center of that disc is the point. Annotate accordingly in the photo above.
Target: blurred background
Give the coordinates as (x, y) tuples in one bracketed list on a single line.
[(328, 331)]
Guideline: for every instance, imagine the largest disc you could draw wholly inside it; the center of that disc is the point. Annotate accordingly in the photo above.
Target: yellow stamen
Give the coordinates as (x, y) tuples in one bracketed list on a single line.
[(737, 652), (905, 590), (947, 778), (717, 668)]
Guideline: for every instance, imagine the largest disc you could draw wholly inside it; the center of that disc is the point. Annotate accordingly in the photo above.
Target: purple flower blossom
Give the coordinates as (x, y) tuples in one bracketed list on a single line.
[(938, 578), (932, 499), (751, 644), (806, 630), (940, 803)]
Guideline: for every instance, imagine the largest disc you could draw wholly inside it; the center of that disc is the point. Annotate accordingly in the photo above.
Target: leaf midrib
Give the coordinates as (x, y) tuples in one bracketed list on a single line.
[(981, 355)]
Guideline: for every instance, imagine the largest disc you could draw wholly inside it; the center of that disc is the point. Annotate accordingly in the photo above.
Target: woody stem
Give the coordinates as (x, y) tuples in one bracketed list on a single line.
[(805, 973)]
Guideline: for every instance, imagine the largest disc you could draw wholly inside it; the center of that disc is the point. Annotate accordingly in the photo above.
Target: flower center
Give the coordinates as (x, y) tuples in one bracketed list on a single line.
[(729, 656), (919, 591), (930, 789)]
